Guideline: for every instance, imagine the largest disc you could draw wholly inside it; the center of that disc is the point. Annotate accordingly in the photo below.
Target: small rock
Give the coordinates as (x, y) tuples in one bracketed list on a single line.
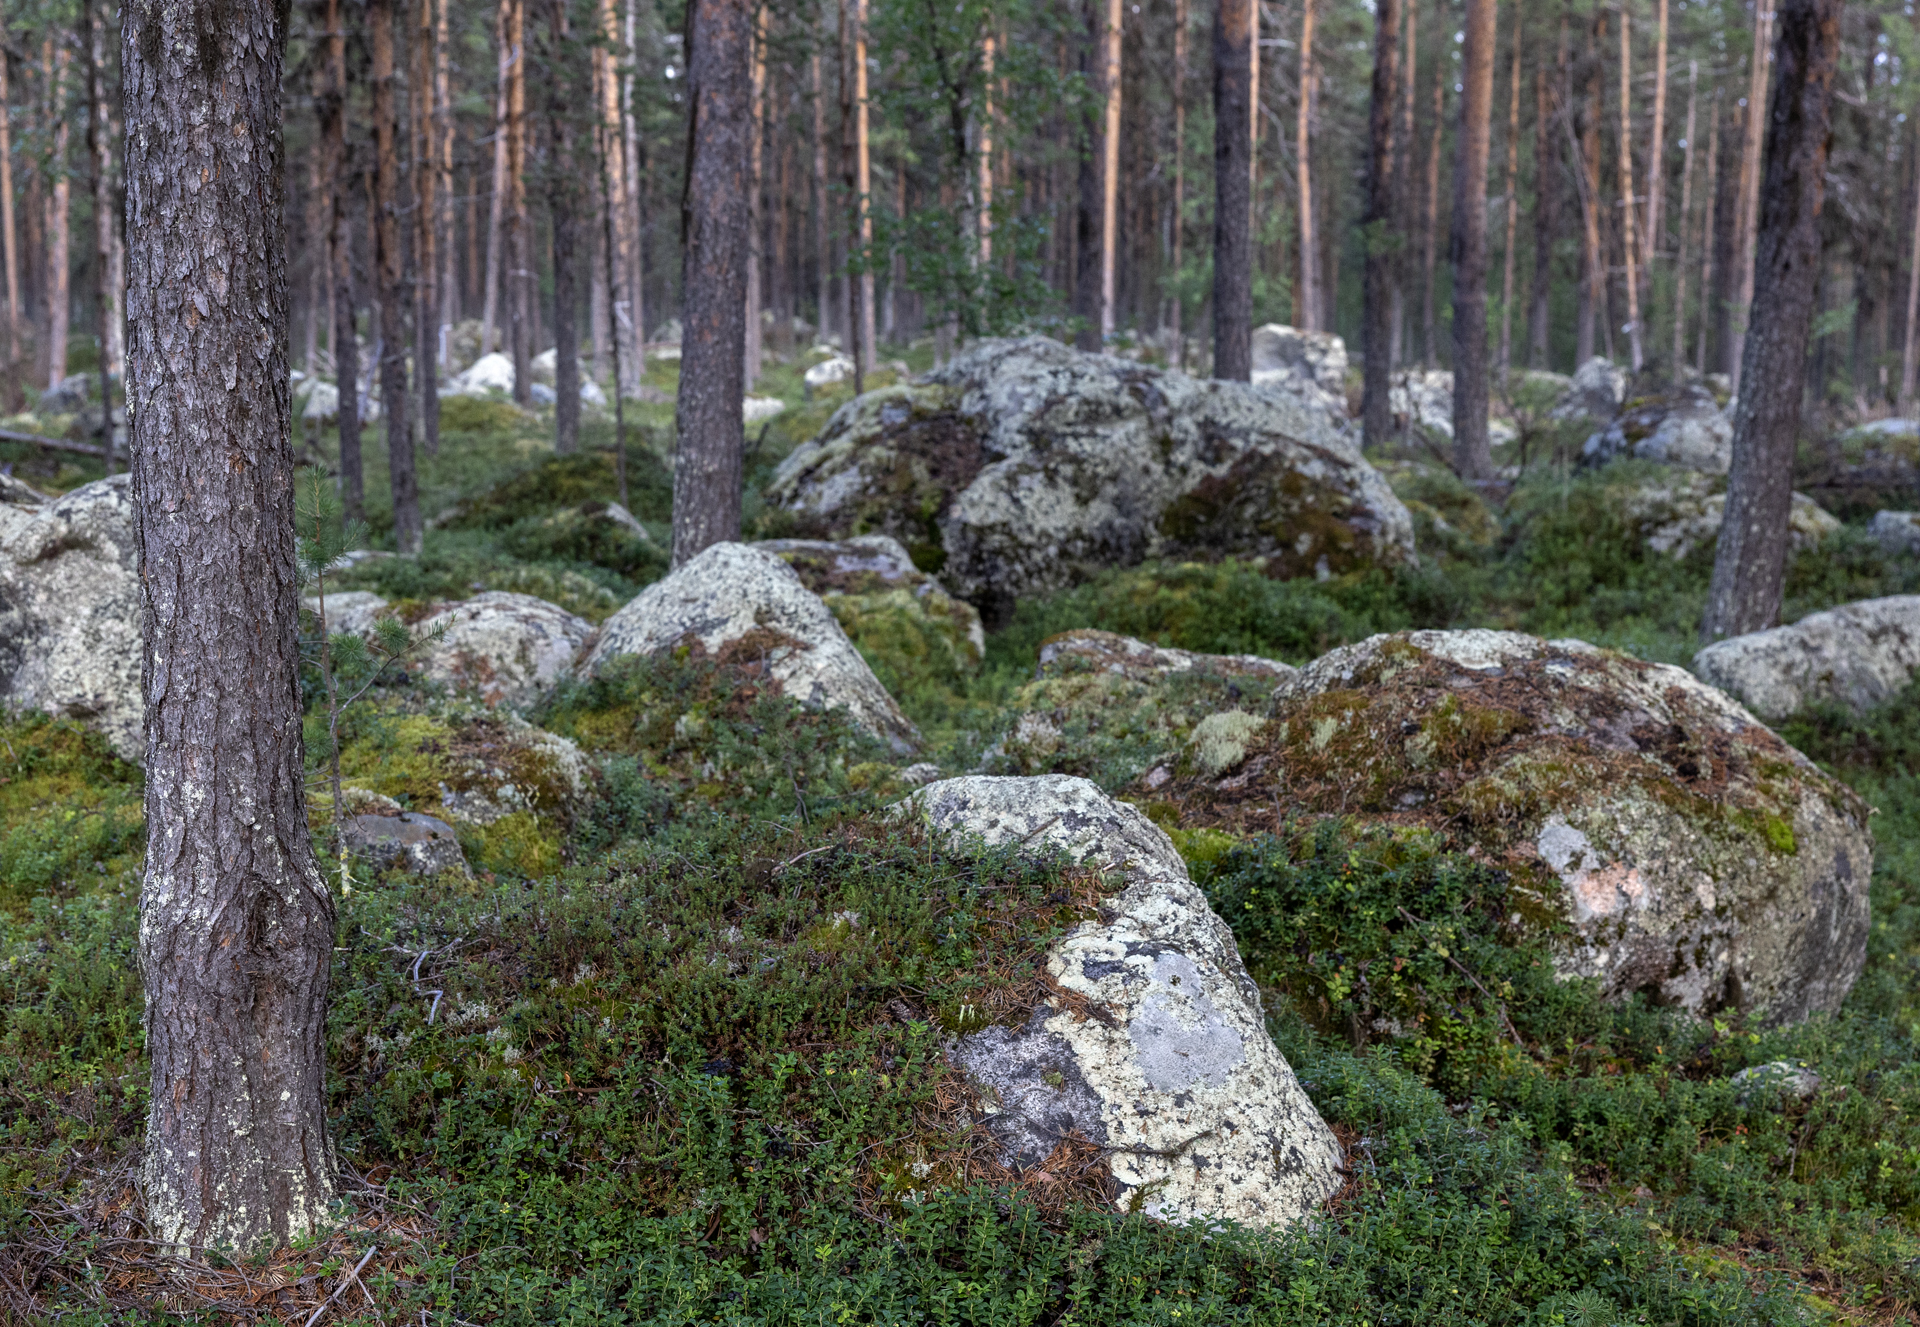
[(1684, 428), (490, 373), (68, 396), (1123, 656), (350, 611), (418, 844), (541, 394), (1860, 655), (1896, 531), (321, 404), (734, 595), (759, 409), (887, 605), (1318, 357), (827, 372), (919, 774), (1598, 388), (1778, 1079), (1174, 1075), (505, 648)]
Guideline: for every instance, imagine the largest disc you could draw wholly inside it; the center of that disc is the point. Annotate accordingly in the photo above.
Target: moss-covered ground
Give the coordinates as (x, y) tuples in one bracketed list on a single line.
[(672, 1054)]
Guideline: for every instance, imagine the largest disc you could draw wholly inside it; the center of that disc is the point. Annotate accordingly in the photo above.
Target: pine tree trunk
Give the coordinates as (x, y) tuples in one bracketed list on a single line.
[(756, 151), (1656, 162), (9, 237), (1109, 170), (1628, 205), (1746, 220), (1307, 303), (1593, 269), (1088, 305), (498, 202), (563, 172), (1750, 563), (388, 191), (863, 359), (520, 289), (1712, 230), (1232, 186), (633, 209), (1176, 312), (448, 314), (1910, 353), (1512, 191), (1547, 136), (1382, 238), (1430, 228), (331, 107), (1472, 456), (426, 299), (707, 459), (59, 205), (613, 150), (1686, 222), (1406, 215), (106, 273), (236, 925), (822, 211)]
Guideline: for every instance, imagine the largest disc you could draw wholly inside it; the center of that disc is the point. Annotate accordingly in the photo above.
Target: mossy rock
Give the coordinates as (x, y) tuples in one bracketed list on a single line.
[(1111, 709), (514, 792), (1688, 852)]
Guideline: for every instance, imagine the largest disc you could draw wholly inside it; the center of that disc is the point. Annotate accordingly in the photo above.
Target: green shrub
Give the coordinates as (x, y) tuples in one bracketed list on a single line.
[(557, 482)]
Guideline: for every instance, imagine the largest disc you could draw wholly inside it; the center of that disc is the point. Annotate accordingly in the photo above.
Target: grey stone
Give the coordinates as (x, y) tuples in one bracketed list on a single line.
[(68, 396), (1896, 531), (411, 842), (1859, 655), (504, 648), (1685, 512), (1123, 656), (1317, 357), (70, 610), (1598, 388), (1684, 428), (731, 590), (867, 578), (1174, 1075), (1781, 1078), (351, 611), (1025, 467), (1695, 855)]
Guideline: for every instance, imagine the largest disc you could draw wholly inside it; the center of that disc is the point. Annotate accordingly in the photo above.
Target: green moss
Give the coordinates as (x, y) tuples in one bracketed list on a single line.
[(70, 810)]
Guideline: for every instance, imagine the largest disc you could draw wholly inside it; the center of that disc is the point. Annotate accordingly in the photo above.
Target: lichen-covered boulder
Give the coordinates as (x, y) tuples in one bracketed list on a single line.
[(1684, 428), (1155, 1047), (1896, 531), (70, 609), (1596, 391), (1023, 466), (1859, 655), (407, 841), (1111, 708), (889, 608), (1676, 515), (1288, 352), (505, 649), (1670, 842), (352, 612), (745, 605)]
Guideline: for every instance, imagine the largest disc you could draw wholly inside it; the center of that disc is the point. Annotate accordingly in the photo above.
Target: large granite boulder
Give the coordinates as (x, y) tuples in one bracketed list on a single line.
[(890, 608), (1858, 655), (1684, 428), (1687, 851), (1896, 531), (1310, 367), (1596, 391), (505, 649), (1685, 510), (1023, 466), (1155, 1047), (70, 609), (1111, 708), (745, 605)]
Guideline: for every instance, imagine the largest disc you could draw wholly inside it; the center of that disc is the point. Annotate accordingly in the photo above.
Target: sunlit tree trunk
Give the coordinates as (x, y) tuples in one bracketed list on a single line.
[(1686, 222), (1307, 303), (1628, 204), (1382, 238), (9, 237), (331, 107), (1232, 184), (426, 265), (613, 150), (498, 203), (1472, 456), (1513, 208), (1177, 258), (236, 925), (1110, 168), (59, 204), (1746, 218)]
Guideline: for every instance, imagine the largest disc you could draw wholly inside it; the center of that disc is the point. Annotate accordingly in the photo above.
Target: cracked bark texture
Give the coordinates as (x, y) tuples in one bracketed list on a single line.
[(1749, 567), (1232, 190), (236, 926)]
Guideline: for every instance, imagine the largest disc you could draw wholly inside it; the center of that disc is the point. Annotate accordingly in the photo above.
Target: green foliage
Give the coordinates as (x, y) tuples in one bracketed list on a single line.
[(70, 810), (456, 564), (568, 481)]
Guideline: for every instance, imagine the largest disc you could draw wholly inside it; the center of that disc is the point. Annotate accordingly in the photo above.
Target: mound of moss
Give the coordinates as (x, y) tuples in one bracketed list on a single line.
[(555, 483), (70, 810)]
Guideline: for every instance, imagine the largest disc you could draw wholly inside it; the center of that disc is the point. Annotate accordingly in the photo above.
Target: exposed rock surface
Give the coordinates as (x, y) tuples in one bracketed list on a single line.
[(1168, 1067), (887, 606), (490, 373), (1684, 428), (350, 611), (1024, 466), (1112, 708), (70, 609), (1685, 512), (1777, 1079), (1858, 655), (1317, 357), (1694, 855), (1597, 389), (408, 841), (1896, 531), (734, 600), (506, 649)]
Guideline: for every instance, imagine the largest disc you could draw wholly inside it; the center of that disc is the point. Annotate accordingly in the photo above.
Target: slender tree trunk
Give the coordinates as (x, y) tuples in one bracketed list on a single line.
[(448, 312), (345, 343), (1656, 161), (319, 279), (498, 203), (755, 185), (1710, 238), (1472, 455), (1088, 305), (1593, 271), (388, 191), (1746, 220), (863, 359), (632, 212), (823, 224), (622, 293), (1382, 239), (59, 203), (1407, 217), (983, 163), (1547, 133), (1750, 564), (521, 314), (1232, 185), (236, 925), (1430, 227), (706, 471), (1910, 353), (1176, 309), (1513, 208), (1307, 304), (1110, 91), (9, 237), (1628, 205), (1686, 222), (105, 253), (426, 302), (563, 208)]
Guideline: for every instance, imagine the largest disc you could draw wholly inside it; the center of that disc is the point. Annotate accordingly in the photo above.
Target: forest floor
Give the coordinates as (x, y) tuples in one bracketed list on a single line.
[(663, 1080)]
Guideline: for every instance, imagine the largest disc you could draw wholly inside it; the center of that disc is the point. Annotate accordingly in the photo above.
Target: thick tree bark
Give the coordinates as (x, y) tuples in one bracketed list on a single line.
[(1307, 302), (390, 263), (1750, 565), (564, 172), (1472, 456), (1382, 238), (236, 926), (1746, 220), (331, 106), (1232, 188), (707, 459), (59, 205)]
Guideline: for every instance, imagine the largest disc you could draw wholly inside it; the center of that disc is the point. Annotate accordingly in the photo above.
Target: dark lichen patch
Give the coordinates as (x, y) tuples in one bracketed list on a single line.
[(1268, 505)]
